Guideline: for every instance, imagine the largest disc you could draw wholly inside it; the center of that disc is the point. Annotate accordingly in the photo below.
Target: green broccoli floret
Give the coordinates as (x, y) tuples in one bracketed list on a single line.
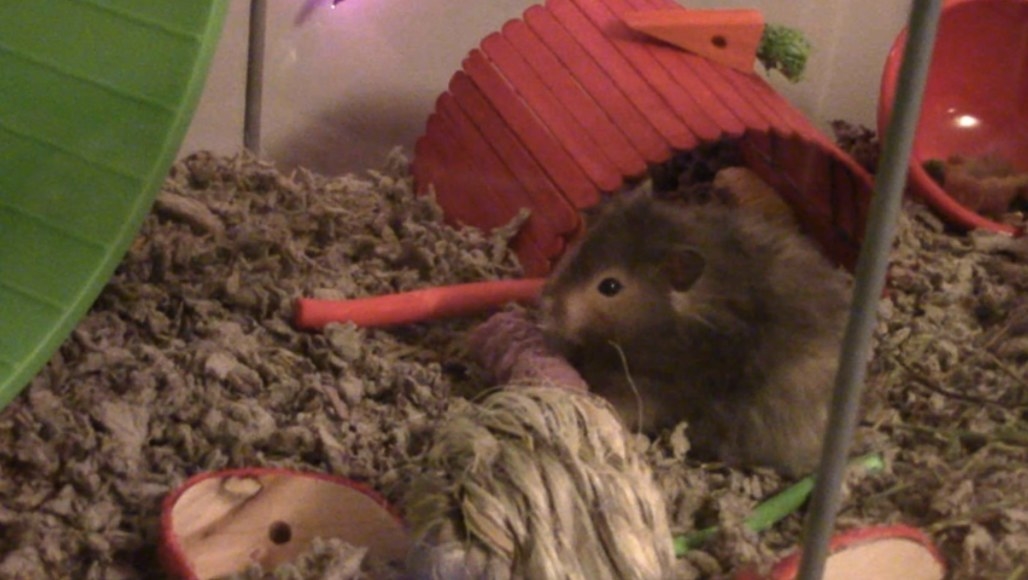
[(784, 49)]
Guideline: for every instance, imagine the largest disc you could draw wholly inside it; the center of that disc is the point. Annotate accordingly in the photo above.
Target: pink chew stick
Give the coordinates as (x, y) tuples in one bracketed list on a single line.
[(511, 346), (416, 306)]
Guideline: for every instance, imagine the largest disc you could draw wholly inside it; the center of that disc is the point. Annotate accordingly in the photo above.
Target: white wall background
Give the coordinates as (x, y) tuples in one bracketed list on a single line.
[(344, 85)]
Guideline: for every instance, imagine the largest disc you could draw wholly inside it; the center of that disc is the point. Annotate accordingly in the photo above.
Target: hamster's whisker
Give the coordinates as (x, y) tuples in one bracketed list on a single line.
[(701, 319), (631, 383)]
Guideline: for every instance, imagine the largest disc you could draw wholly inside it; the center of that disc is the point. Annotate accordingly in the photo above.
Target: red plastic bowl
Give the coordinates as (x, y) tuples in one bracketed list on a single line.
[(976, 99)]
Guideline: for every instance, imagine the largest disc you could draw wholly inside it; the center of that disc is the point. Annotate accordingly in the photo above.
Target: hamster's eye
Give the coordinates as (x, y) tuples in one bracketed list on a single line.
[(609, 286)]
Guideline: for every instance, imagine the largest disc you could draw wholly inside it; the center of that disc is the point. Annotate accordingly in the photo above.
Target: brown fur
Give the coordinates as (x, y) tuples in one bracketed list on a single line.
[(746, 354)]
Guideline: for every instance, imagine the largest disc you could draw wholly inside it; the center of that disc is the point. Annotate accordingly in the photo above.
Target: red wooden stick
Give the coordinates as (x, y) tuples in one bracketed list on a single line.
[(416, 306)]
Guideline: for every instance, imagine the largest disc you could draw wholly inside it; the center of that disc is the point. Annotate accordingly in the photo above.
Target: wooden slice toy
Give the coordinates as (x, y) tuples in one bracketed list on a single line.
[(896, 552), (220, 523)]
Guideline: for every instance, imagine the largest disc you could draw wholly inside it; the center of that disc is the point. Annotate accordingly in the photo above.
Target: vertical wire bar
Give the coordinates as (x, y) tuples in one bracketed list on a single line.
[(254, 76), (870, 281)]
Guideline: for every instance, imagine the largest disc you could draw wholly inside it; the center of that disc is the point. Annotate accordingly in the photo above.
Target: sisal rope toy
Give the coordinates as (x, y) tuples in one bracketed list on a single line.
[(539, 480)]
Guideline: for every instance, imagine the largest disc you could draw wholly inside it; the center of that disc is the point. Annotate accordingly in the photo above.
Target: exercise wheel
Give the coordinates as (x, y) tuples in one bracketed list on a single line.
[(95, 98)]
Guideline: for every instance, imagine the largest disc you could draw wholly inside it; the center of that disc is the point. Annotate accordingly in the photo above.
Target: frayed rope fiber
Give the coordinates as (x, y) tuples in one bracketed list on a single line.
[(537, 482)]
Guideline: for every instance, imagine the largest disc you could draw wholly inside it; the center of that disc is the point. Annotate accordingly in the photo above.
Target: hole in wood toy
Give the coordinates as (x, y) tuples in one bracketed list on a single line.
[(280, 533)]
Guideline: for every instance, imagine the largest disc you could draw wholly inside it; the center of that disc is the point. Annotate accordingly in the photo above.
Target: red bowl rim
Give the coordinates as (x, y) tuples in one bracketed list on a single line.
[(950, 209)]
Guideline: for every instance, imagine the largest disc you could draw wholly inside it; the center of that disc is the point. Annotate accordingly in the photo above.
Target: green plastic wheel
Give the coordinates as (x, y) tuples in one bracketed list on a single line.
[(95, 99)]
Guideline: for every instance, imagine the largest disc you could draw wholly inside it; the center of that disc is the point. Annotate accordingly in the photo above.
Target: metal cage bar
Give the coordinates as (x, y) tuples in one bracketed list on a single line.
[(870, 281)]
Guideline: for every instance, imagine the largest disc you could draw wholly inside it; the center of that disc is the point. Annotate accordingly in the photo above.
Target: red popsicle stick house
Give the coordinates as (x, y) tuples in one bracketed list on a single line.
[(568, 102)]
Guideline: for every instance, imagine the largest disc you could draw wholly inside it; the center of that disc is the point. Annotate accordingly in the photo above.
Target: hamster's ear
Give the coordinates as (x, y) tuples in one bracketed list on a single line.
[(683, 267), (591, 213), (614, 204)]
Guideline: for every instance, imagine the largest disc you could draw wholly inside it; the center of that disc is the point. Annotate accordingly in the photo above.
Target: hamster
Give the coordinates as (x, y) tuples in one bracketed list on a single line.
[(708, 314)]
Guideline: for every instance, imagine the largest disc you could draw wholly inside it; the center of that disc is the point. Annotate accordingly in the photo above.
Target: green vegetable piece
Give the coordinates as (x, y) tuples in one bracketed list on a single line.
[(784, 49), (774, 509)]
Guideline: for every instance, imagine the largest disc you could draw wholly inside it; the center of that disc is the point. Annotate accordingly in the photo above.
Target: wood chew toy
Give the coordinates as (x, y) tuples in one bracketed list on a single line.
[(220, 523), (729, 37), (417, 305), (895, 552)]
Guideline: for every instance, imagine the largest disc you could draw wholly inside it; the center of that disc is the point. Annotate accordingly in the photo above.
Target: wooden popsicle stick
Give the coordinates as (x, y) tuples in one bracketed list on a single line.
[(730, 37), (609, 96), (416, 306)]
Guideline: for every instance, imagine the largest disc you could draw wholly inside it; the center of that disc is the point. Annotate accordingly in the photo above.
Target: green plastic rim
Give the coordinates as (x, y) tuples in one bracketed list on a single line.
[(95, 99)]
